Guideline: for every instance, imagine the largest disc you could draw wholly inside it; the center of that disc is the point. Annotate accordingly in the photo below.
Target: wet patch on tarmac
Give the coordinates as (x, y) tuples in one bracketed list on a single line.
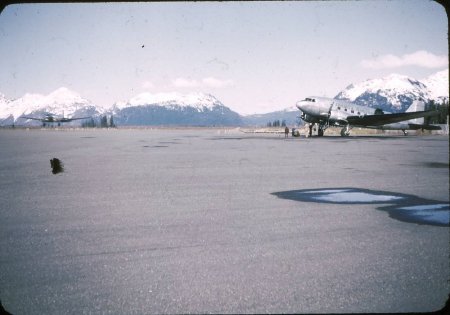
[(191, 136), (406, 208), (227, 138), (155, 146), (436, 165), (168, 142)]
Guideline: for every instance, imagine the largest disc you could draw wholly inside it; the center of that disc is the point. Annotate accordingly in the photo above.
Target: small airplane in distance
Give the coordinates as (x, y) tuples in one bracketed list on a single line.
[(327, 112), (50, 118)]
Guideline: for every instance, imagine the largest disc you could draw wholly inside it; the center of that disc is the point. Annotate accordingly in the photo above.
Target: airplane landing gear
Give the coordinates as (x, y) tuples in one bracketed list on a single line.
[(405, 133), (320, 131), (345, 131)]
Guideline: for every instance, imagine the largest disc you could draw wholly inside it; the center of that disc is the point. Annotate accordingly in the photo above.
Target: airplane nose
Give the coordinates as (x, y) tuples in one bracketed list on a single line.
[(305, 107), (299, 104)]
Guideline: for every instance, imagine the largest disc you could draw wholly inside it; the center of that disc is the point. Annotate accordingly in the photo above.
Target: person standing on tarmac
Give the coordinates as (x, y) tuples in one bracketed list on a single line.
[(286, 132)]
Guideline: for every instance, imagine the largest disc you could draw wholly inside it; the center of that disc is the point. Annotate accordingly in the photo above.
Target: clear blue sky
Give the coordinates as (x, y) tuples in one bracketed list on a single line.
[(253, 56)]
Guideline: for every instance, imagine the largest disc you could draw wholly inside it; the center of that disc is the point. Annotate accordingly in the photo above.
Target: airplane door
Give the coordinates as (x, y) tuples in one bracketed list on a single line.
[(329, 110)]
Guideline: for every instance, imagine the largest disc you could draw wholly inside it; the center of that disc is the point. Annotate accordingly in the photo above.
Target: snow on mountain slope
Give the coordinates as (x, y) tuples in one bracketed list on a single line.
[(174, 109), (438, 85), (4, 106), (397, 91), (15, 108), (200, 101), (61, 101)]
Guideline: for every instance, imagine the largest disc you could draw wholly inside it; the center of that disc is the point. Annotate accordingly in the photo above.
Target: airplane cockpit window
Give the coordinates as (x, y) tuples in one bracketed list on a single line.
[(310, 99)]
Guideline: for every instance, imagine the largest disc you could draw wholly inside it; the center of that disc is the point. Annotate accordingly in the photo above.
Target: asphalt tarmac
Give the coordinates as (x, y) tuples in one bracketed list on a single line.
[(219, 221)]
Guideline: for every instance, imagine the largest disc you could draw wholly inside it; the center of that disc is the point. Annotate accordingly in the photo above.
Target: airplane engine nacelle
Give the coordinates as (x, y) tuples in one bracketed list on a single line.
[(307, 118)]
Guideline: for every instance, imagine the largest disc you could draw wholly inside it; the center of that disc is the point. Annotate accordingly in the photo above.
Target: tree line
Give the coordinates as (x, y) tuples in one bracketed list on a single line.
[(441, 108), (102, 122), (277, 123)]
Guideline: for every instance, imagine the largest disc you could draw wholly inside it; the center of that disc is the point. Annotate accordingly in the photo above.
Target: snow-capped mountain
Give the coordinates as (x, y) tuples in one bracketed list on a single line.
[(438, 85), (396, 92), (62, 102), (199, 101), (174, 109)]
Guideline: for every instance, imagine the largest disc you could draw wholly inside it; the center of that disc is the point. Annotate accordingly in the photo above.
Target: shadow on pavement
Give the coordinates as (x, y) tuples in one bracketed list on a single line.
[(407, 208)]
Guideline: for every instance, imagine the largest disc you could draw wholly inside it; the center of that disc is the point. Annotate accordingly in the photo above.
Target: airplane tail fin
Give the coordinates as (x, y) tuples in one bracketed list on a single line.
[(420, 123), (416, 106)]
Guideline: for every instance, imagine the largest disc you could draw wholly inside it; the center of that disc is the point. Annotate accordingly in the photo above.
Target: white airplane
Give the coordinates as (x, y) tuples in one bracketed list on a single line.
[(327, 112), (50, 118)]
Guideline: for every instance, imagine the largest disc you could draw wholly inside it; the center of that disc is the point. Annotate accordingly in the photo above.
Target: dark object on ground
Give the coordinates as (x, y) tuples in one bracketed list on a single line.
[(3, 311), (57, 166)]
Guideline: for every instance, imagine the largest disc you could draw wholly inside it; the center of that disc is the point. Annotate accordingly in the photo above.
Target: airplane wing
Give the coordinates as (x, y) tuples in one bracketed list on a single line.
[(34, 118), (426, 127), (383, 119), (69, 119), (79, 118)]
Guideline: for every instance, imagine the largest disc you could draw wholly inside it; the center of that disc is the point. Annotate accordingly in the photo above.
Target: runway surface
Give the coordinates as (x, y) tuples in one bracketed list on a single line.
[(219, 221)]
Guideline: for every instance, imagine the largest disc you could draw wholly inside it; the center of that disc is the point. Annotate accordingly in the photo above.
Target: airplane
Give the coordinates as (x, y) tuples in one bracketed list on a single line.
[(50, 118), (327, 112)]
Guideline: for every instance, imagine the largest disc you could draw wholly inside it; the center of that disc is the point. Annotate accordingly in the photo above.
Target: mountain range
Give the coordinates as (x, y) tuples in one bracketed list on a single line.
[(194, 109), (393, 93)]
